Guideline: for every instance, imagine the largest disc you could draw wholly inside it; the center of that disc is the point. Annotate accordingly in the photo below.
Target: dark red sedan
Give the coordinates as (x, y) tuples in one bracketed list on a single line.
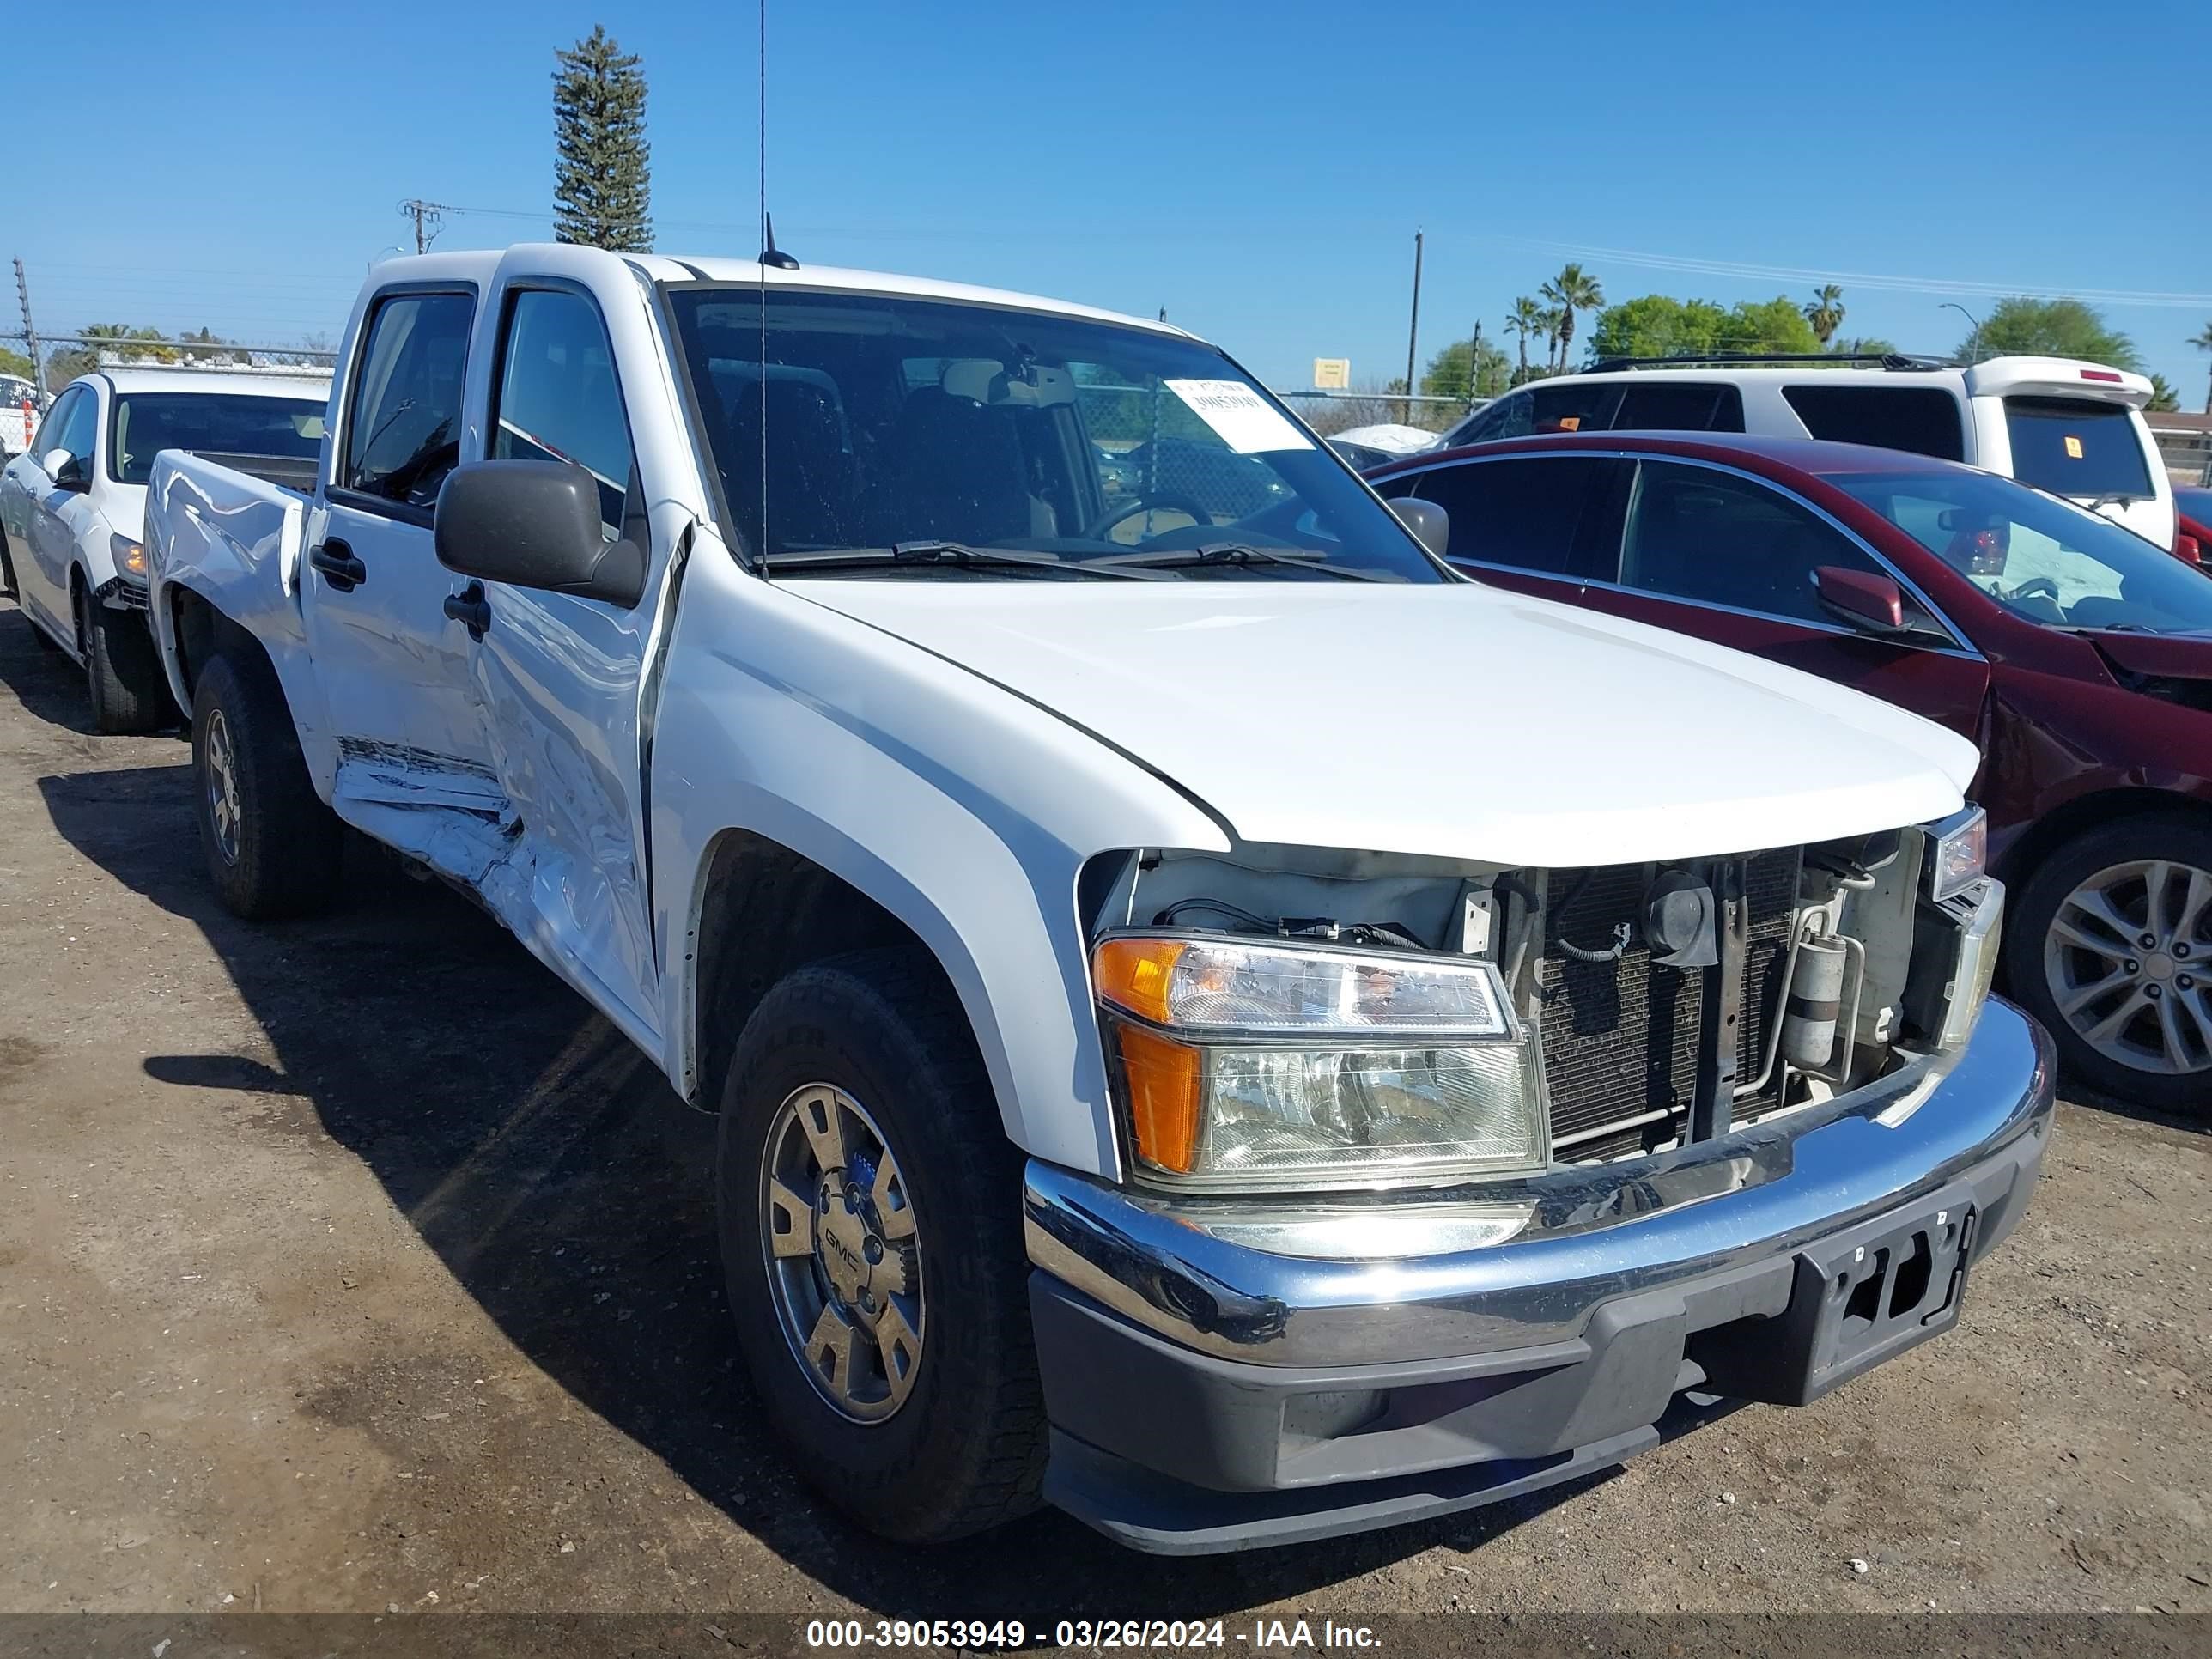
[(2077, 655)]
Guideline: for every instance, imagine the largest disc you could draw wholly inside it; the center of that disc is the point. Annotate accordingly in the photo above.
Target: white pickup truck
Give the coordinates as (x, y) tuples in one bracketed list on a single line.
[(1218, 1023)]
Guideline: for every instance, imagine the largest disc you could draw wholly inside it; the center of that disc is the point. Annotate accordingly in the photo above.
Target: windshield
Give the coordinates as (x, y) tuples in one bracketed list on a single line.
[(988, 442), (2039, 557), (210, 423), (2077, 447)]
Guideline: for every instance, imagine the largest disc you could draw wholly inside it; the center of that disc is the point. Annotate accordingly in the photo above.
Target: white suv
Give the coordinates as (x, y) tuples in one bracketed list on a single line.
[(2074, 428)]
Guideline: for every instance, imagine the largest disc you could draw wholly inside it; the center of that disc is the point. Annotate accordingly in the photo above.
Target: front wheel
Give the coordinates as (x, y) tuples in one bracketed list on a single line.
[(2110, 946), (869, 1207), (272, 847), (122, 671)]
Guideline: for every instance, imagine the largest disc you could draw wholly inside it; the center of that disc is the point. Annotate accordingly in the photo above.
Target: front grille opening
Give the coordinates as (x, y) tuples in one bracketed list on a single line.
[(1620, 1038)]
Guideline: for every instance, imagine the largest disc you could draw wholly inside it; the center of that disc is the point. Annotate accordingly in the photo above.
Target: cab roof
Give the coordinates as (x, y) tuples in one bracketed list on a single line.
[(481, 266), (1824, 458), (243, 382)]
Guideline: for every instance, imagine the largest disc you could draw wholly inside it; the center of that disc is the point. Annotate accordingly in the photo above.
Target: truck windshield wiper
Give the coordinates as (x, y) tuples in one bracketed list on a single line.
[(1184, 558), (921, 554)]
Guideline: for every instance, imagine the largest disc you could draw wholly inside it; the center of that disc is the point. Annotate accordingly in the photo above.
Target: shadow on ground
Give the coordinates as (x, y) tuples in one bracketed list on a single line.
[(529, 1144)]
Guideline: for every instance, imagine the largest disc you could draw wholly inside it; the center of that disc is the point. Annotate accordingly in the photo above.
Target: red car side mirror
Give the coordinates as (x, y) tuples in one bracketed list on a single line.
[(1862, 598)]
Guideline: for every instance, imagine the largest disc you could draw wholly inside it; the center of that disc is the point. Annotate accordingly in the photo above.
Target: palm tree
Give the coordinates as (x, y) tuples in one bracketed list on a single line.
[(1526, 321), (2202, 341), (1826, 313), (1573, 289)]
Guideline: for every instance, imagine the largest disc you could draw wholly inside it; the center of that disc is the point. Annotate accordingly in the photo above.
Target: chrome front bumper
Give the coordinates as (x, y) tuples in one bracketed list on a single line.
[(1207, 1395), (1594, 1232)]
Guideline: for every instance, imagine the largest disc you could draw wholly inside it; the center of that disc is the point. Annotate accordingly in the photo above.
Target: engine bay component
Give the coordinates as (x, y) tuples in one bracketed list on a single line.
[(1679, 921), (1815, 1000)]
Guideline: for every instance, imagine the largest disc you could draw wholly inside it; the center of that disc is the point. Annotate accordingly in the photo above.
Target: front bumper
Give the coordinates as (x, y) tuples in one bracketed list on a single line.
[(1207, 1395)]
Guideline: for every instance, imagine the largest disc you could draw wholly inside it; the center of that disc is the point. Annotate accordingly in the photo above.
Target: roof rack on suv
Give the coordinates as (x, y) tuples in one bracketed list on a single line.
[(1895, 360)]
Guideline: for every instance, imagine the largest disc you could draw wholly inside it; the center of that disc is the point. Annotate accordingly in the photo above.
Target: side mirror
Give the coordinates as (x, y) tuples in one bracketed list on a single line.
[(1866, 601), (2188, 549), (66, 469), (534, 523), (1431, 524)]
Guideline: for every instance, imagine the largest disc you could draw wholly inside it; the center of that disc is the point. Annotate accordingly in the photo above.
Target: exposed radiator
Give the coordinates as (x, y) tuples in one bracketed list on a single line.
[(1621, 1038)]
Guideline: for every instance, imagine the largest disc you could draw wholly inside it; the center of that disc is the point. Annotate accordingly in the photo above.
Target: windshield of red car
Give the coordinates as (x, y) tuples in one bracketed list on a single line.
[(2038, 556)]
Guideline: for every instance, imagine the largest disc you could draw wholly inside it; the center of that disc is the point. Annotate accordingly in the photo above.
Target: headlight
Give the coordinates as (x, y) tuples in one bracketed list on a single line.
[(1975, 968), (129, 555), (1261, 1065), (1957, 848)]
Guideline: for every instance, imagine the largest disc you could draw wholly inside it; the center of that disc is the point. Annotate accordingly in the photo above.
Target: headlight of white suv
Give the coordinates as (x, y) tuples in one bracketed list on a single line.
[(1958, 848), (1259, 1064), (129, 557)]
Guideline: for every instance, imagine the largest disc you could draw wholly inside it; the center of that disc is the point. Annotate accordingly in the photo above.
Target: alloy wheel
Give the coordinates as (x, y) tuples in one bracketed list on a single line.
[(222, 786), (841, 1246), (2128, 964)]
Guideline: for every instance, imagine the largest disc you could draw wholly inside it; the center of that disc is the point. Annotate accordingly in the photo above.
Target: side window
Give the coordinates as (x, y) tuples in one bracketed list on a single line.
[(68, 416), (1575, 405), (1713, 537), (558, 398), (403, 430), (1923, 419), (1659, 404), (1509, 417), (1551, 516)]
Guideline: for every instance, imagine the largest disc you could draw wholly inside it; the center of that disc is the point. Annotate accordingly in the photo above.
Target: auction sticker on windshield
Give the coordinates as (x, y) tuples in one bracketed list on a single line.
[(1245, 421)]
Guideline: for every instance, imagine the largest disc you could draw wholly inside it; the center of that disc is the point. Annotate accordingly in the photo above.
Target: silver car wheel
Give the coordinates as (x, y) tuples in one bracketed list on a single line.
[(222, 786), (842, 1250), (2129, 962)]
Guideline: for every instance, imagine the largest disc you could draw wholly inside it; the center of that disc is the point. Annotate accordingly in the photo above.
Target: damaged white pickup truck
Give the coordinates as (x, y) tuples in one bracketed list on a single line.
[(1218, 1023)]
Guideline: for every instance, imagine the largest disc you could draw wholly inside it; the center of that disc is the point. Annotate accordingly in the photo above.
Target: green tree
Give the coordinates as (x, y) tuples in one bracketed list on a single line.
[(1869, 345), (15, 362), (1776, 324), (1446, 375), (2202, 341), (2020, 326), (1526, 322), (1573, 289), (1824, 311), (1553, 319), (2163, 396), (602, 184), (1657, 325)]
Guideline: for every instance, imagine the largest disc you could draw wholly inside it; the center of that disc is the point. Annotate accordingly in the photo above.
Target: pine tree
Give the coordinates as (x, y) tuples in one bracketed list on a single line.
[(602, 186)]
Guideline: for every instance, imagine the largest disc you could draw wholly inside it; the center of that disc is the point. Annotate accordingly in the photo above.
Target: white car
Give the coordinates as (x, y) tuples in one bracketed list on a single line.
[(2074, 428), (18, 415), (73, 505), (1218, 1023)]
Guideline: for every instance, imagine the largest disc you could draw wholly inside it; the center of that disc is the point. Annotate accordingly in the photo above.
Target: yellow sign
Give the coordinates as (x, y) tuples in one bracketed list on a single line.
[(1332, 373), (2073, 447)]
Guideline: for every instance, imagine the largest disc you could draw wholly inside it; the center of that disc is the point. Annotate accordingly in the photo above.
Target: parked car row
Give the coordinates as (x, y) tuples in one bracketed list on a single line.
[(2075, 655), (72, 507), (1219, 1021)]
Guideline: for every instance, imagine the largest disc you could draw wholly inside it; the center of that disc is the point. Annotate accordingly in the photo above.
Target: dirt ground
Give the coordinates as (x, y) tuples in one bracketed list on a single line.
[(357, 1266)]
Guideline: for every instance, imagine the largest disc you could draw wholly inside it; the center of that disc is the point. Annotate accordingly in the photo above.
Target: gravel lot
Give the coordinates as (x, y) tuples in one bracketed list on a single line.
[(357, 1264)]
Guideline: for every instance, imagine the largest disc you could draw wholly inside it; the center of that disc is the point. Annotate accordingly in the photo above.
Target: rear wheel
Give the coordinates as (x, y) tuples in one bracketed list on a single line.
[(2111, 946), (272, 847), (869, 1206), (122, 671), (7, 567)]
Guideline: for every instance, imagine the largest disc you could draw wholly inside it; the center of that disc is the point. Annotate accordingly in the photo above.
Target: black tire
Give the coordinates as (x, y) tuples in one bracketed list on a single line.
[(7, 567), (2178, 838), (282, 856), (966, 1450), (122, 671)]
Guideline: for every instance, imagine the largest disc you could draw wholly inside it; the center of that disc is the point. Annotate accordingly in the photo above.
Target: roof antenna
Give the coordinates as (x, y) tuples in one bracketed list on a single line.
[(773, 255)]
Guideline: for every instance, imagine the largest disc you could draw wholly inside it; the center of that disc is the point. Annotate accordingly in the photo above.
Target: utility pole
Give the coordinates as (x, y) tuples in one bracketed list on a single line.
[(1475, 363), (429, 217), (30, 334), (1413, 329)]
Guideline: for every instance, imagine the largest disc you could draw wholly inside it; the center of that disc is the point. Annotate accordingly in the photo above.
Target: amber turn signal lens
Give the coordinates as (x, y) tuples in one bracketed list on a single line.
[(1134, 974), (1161, 1078)]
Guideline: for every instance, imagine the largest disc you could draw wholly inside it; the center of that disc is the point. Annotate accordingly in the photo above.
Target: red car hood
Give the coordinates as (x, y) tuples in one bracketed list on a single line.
[(2164, 656)]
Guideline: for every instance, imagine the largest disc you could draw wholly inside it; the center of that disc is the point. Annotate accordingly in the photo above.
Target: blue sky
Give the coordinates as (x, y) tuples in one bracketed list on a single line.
[(1257, 170)]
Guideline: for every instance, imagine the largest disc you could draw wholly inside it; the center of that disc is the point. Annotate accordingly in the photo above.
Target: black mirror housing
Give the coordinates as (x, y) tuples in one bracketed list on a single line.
[(534, 523)]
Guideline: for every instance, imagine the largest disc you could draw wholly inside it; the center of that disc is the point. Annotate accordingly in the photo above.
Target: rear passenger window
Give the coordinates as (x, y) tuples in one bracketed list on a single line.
[(1551, 515), (1923, 419), (1657, 405), (558, 398), (403, 432), (1713, 537), (2076, 447)]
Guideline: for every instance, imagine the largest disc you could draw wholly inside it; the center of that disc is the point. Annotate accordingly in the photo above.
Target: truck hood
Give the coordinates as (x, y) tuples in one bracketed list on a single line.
[(1462, 721)]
